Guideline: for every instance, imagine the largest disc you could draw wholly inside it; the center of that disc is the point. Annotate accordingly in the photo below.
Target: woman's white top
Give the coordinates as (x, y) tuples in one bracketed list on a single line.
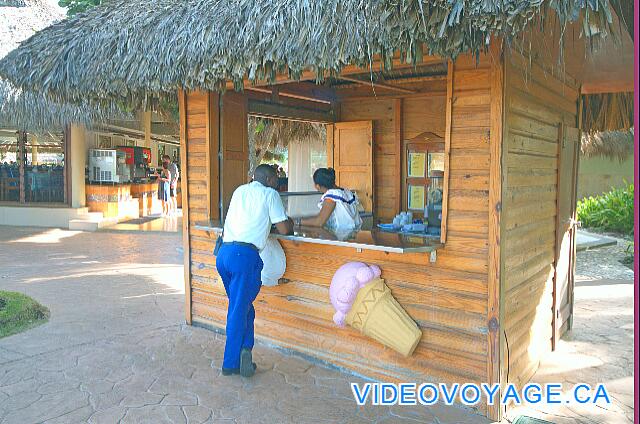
[(345, 215)]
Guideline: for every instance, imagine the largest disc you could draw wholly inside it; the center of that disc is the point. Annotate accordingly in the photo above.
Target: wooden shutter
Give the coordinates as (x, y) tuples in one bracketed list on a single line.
[(234, 163), (350, 152)]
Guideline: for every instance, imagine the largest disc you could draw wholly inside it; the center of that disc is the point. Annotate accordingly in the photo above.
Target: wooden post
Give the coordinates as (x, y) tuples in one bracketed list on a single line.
[(182, 105), (447, 152), (494, 305), (330, 129), (22, 159), (397, 118), (212, 142)]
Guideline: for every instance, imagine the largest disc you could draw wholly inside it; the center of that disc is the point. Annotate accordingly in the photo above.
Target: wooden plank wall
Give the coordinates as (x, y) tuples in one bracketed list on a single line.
[(448, 298), (415, 115), (537, 101)]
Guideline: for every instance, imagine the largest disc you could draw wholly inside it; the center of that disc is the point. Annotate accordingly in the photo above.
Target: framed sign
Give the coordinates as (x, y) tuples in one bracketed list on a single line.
[(416, 197), (417, 165)]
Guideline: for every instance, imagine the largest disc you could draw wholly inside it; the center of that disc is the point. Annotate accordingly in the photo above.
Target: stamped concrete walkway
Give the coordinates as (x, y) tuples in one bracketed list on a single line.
[(116, 350), (599, 349)]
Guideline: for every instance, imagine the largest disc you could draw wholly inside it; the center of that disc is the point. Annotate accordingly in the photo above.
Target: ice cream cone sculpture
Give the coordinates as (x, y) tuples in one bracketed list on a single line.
[(363, 300)]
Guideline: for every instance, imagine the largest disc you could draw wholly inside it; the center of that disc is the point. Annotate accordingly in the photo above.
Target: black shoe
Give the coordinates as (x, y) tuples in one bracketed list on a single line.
[(247, 367), (230, 371)]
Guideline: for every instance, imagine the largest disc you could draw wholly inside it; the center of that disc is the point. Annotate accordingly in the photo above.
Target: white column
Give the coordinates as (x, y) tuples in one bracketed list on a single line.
[(78, 153), (34, 150)]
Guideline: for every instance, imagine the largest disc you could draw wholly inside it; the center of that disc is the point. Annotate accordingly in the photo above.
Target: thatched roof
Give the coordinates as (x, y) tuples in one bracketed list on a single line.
[(609, 144), (607, 112), (32, 111), (126, 49)]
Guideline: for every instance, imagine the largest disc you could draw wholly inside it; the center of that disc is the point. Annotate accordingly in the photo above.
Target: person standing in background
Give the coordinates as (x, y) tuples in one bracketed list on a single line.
[(164, 179), (173, 184)]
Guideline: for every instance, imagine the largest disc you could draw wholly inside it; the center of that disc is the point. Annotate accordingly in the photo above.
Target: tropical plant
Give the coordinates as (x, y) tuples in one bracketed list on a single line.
[(77, 6), (611, 211)]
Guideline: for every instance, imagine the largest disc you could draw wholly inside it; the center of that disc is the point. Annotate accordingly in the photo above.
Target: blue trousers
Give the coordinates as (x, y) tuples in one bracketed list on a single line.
[(240, 268)]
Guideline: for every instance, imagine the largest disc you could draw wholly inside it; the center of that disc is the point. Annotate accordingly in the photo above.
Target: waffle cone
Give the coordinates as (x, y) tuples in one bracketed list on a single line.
[(377, 314)]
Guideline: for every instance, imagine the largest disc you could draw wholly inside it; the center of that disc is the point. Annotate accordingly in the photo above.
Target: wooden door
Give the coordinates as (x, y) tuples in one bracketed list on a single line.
[(234, 161), (350, 153), (569, 143)]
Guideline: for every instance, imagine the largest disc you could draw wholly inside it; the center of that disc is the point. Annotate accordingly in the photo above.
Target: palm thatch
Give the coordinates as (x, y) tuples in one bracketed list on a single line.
[(275, 135), (608, 144), (26, 110), (126, 49), (607, 112)]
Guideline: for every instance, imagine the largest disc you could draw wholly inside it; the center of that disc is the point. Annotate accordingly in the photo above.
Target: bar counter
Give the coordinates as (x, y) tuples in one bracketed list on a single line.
[(367, 238)]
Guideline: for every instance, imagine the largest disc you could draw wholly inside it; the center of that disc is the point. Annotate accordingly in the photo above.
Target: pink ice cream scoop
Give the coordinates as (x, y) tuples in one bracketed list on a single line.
[(346, 283)]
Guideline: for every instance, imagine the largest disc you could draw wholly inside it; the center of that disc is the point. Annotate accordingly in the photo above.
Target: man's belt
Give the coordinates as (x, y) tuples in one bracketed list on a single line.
[(241, 243)]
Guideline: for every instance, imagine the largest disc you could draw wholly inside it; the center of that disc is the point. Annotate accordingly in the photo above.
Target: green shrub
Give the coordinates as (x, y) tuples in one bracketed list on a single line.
[(611, 211)]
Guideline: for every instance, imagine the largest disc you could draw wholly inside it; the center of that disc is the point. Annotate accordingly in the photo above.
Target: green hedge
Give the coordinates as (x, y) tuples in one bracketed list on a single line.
[(611, 211)]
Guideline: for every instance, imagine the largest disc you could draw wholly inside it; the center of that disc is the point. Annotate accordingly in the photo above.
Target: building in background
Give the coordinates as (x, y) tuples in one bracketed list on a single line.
[(43, 161)]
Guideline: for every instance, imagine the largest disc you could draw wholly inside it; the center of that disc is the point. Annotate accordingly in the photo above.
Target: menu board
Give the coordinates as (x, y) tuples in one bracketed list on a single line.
[(416, 197), (417, 165)]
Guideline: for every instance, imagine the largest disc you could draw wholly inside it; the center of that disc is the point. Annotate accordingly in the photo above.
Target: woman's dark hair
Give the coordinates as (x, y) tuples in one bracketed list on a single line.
[(325, 177)]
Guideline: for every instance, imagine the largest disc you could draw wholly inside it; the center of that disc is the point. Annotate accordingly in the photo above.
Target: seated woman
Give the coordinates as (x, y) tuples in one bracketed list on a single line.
[(338, 206)]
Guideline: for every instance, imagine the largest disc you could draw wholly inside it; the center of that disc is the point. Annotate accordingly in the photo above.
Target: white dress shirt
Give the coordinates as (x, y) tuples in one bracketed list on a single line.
[(253, 209)]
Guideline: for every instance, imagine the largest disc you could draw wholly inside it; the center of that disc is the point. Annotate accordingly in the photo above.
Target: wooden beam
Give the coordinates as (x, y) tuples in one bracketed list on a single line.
[(288, 94), (494, 264), (279, 111), (341, 96), (376, 65), (184, 178), (447, 151), (377, 84), (400, 80)]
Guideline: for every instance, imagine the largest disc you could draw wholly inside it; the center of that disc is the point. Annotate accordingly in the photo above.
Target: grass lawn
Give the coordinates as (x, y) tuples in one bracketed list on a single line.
[(19, 313)]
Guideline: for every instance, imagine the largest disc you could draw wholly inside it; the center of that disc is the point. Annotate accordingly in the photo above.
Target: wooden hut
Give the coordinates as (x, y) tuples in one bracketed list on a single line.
[(494, 293)]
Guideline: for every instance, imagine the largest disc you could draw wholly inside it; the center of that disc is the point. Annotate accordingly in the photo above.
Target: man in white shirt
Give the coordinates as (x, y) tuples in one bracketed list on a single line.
[(253, 209)]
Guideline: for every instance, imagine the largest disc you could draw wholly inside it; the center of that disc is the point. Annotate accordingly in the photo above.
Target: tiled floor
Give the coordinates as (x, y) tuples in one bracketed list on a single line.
[(116, 349), (156, 223)]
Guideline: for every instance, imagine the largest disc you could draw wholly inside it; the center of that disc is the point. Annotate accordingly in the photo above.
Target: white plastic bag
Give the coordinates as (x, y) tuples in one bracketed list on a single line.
[(275, 262)]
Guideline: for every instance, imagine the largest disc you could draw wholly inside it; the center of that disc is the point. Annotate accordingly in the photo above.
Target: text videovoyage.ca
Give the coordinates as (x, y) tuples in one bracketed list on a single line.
[(476, 394)]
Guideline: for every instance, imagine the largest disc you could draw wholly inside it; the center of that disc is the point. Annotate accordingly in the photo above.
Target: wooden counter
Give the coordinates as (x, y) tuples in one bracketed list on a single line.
[(113, 200), (362, 239), (126, 200)]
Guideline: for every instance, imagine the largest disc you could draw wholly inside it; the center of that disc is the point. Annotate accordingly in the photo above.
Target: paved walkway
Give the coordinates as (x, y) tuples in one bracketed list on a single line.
[(153, 223), (115, 348), (599, 349)]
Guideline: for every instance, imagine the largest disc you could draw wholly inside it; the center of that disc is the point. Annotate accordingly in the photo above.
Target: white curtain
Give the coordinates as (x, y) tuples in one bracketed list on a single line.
[(300, 172), (301, 179)]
